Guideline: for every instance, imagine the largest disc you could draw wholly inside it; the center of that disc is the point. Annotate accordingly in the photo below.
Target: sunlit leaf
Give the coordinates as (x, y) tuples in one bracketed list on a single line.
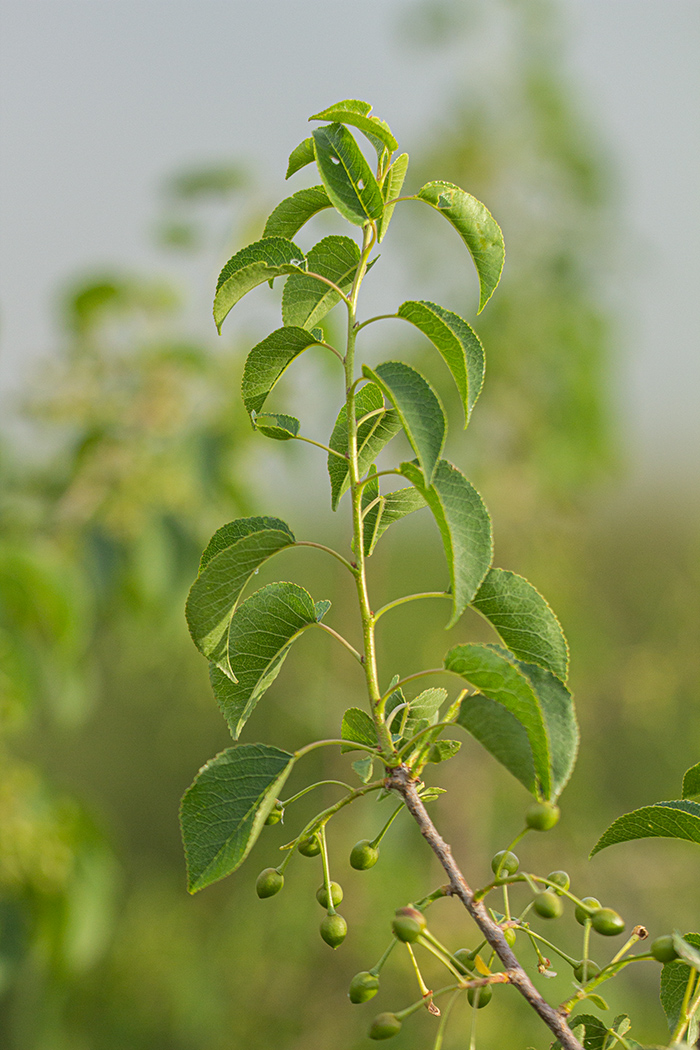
[(358, 727), (300, 156), (276, 425), (346, 175), (306, 300), (442, 750), (387, 510), (691, 781), (372, 435), (234, 530), (669, 820), (259, 262), (291, 214), (391, 189), (477, 228), (352, 111), (224, 810), (524, 620), (269, 360), (419, 409), (465, 527), (457, 342)]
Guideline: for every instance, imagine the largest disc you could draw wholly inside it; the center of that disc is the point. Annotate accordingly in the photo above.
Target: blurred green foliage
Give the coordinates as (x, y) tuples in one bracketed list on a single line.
[(143, 451)]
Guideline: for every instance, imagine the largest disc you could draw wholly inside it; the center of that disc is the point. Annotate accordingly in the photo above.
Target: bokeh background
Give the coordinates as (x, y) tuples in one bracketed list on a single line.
[(143, 144)]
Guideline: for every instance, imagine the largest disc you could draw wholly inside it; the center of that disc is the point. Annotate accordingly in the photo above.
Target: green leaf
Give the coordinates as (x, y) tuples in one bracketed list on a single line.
[(691, 781), (280, 427), (224, 810), (597, 1034), (499, 680), (669, 820), (292, 213), (674, 980), (352, 111), (419, 409), (300, 156), (358, 727), (389, 509), (457, 342), (443, 749), (423, 708), (364, 768), (524, 620), (560, 721), (306, 300), (215, 593), (477, 228), (465, 527), (391, 188), (259, 262), (686, 951), (372, 436), (269, 360), (262, 630), (346, 175), (501, 734)]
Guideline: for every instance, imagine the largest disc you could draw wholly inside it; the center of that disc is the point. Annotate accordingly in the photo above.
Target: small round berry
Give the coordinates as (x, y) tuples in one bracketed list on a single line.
[(310, 846), (269, 882), (592, 970), (485, 993), (585, 909), (541, 816), (607, 922), (336, 895), (504, 863), (510, 936), (363, 986), (560, 879), (276, 813), (333, 930), (663, 950), (384, 1026), (363, 855), (408, 924), (548, 905), (464, 960)]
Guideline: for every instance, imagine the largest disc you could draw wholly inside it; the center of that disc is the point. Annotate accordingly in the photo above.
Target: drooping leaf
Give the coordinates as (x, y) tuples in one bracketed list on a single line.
[(419, 409), (358, 727), (669, 820), (292, 213), (276, 425), (235, 530), (465, 527), (269, 360), (441, 750), (691, 781), (224, 810), (559, 718), (524, 620), (389, 509), (477, 228), (457, 342), (500, 680), (501, 734), (364, 767), (306, 300), (300, 156), (215, 593), (372, 435), (263, 261), (352, 111), (391, 189), (346, 175), (261, 632), (674, 981)]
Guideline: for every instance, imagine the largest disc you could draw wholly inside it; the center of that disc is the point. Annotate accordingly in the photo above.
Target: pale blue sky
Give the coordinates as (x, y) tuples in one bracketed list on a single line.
[(100, 99)]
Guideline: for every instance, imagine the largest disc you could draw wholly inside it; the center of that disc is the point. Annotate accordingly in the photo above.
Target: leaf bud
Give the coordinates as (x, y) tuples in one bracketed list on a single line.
[(363, 855), (363, 987), (334, 929), (384, 1026), (408, 924), (269, 882)]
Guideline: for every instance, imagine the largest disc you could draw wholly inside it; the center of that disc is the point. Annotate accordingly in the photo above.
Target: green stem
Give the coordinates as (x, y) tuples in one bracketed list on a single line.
[(322, 818), (319, 444), (320, 783), (379, 317), (377, 474), (441, 953), (683, 1018), (329, 550), (425, 991), (375, 842), (437, 1045), (337, 743), (408, 598), (378, 966), (343, 641), (428, 729), (552, 947), (330, 284), (326, 870)]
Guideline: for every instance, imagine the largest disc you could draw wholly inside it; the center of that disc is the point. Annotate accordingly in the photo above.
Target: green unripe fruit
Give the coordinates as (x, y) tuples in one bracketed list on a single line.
[(276, 813), (310, 846), (269, 882), (548, 905), (363, 855), (334, 929), (662, 949), (384, 1026), (363, 986), (504, 863), (408, 924), (464, 959), (592, 970), (541, 816), (560, 879), (607, 922), (336, 895), (583, 911), (510, 936), (485, 993)]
